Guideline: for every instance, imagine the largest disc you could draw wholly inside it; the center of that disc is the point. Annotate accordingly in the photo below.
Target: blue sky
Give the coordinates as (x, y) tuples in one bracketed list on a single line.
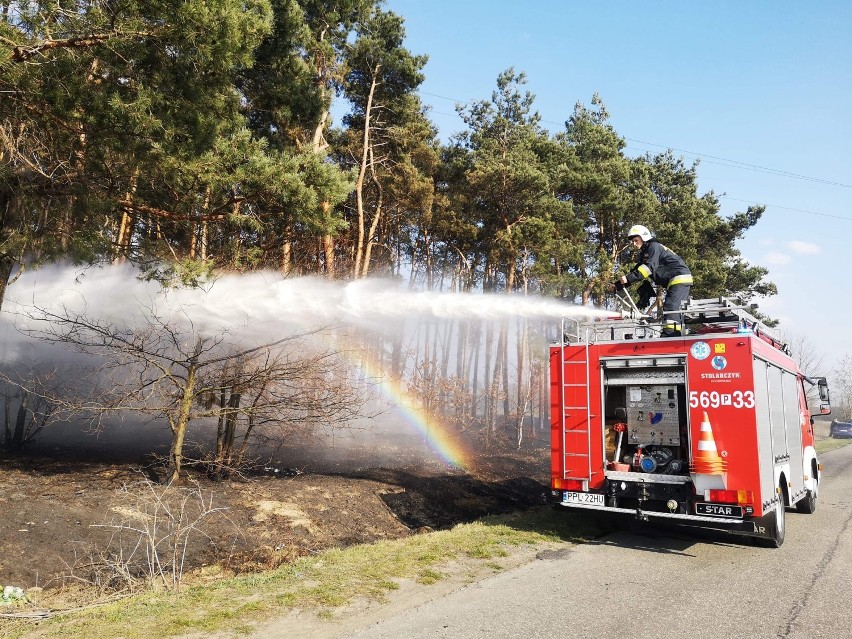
[(761, 91)]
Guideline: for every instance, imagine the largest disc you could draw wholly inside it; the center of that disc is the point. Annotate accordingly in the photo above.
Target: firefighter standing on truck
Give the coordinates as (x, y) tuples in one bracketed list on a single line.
[(665, 268)]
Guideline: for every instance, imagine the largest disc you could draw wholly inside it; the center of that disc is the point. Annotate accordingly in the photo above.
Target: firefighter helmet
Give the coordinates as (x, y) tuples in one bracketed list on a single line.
[(637, 230)]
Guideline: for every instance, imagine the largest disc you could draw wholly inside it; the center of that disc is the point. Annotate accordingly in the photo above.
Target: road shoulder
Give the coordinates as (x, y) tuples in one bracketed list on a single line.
[(410, 594)]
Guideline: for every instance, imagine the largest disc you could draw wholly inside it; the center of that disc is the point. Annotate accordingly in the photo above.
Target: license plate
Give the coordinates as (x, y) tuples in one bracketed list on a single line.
[(583, 498), (719, 510)]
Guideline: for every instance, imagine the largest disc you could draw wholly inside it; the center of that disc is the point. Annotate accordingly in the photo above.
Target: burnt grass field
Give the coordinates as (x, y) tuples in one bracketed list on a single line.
[(84, 516)]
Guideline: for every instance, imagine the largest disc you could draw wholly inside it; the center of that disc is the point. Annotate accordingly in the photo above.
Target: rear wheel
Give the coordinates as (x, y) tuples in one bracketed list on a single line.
[(777, 525)]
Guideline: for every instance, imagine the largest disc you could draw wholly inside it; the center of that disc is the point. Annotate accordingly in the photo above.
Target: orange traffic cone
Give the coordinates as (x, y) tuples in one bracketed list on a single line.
[(708, 467)]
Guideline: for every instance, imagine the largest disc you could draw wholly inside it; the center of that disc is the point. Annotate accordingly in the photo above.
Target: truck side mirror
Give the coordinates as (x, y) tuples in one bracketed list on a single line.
[(824, 399)]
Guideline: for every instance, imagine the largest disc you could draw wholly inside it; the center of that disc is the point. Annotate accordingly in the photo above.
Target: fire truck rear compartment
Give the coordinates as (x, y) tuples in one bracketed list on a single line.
[(651, 402), (651, 471)]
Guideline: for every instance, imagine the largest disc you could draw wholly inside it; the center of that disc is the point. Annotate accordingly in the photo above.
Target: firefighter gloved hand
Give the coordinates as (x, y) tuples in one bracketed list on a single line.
[(646, 294), (618, 286)]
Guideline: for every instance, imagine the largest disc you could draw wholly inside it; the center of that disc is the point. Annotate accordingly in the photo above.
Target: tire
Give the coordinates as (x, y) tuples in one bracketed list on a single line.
[(808, 503), (777, 526)]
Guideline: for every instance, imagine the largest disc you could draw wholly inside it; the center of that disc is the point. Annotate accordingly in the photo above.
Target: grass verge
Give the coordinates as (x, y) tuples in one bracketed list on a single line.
[(231, 606), (824, 445)]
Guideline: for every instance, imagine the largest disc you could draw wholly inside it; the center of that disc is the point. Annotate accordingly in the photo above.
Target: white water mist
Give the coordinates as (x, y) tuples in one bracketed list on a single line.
[(264, 302)]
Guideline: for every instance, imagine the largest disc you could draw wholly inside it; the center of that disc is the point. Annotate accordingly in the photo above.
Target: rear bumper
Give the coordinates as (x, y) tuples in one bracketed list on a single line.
[(748, 526)]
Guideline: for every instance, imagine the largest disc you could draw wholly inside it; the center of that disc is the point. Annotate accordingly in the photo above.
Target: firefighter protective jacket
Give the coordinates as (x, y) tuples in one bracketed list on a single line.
[(660, 263)]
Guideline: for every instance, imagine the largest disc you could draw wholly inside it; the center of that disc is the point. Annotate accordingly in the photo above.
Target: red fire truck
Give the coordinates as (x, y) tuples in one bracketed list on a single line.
[(711, 429)]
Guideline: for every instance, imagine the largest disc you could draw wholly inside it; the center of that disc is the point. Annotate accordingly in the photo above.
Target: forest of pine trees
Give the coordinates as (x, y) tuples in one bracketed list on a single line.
[(195, 138)]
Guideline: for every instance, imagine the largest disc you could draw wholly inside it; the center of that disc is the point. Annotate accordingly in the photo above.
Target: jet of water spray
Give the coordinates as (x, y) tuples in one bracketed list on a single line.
[(266, 300)]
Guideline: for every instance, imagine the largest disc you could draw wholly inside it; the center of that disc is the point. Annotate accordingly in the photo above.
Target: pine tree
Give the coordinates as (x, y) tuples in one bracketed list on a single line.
[(388, 138)]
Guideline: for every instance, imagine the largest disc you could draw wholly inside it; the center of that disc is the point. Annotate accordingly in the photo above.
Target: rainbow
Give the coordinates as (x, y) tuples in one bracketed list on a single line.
[(440, 438)]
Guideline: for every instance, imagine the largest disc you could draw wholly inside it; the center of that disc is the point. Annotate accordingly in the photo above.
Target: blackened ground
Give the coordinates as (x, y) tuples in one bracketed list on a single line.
[(74, 515)]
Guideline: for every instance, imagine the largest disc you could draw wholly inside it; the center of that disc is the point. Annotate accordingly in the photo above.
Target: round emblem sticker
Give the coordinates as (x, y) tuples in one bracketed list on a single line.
[(700, 350), (719, 362)]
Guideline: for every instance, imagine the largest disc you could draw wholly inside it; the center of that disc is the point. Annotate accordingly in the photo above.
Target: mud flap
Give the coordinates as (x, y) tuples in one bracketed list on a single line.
[(771, 528)]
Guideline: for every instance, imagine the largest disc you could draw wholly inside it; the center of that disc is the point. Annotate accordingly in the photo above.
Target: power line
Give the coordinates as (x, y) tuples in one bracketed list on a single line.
[(785, 208), (733, 164), (720, 161), (709, 159), (745, 165), (443, 97)]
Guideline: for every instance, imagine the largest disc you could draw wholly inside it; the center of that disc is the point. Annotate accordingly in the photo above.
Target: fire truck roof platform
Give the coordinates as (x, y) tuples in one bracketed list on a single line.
[(718, 315)]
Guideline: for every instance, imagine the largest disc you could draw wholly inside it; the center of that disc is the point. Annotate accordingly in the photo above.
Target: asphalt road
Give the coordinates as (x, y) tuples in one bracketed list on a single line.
[(661, 585)]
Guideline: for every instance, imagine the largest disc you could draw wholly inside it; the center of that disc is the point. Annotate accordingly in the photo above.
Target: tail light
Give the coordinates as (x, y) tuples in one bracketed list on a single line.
[(567, 484), (740, 497)]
